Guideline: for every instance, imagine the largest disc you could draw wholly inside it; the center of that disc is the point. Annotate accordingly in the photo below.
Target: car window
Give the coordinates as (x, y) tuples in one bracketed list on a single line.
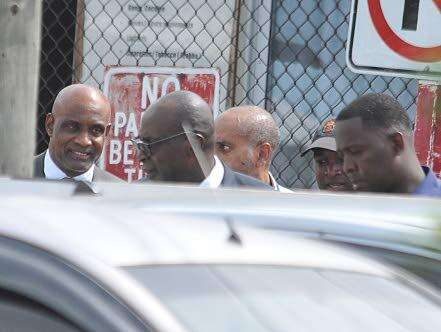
[(53, 283), (18, 313), (424, 267), (274, 298)]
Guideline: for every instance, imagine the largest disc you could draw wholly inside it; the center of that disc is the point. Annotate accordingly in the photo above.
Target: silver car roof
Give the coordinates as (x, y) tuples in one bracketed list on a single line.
[(120, 236), (99, 233), (399, 222)]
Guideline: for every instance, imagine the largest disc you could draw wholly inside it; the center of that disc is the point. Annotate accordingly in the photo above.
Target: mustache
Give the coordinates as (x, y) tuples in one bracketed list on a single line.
[(83, 150)]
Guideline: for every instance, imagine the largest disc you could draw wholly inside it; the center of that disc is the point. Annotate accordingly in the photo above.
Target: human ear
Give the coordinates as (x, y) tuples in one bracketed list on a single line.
[(49, 124), (397, 141), (264, 153), (194, 145), (106, 131), (193, 151)]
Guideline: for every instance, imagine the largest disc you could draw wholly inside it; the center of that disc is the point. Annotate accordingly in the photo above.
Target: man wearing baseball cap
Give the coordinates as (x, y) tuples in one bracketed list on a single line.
[(327, 163)]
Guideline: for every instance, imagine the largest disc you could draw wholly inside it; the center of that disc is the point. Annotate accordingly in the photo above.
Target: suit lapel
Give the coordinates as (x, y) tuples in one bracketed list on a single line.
[(229, 178)]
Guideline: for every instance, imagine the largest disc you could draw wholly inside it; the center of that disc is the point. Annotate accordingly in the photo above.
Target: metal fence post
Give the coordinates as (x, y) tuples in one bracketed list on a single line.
[(20, 24)]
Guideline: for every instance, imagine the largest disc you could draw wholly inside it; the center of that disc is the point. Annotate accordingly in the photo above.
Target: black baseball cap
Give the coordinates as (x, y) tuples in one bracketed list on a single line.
[(324, 137)]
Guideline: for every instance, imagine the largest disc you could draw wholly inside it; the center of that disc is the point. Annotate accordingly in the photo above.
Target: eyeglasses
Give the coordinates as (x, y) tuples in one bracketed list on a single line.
[(146, 148)]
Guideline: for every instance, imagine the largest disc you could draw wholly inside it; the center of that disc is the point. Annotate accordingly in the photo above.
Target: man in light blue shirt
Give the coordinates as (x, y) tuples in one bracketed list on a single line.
[(375, 137)]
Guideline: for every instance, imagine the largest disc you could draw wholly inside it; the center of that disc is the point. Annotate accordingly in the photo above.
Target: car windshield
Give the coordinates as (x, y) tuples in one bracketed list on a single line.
[(280, 298)]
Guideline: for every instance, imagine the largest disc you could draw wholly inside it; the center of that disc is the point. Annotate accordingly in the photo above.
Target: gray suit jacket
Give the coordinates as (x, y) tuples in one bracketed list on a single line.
[(235, 179), (99, 175)]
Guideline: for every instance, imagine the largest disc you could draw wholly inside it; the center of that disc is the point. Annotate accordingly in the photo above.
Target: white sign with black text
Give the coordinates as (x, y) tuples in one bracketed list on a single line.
[(167, 33)]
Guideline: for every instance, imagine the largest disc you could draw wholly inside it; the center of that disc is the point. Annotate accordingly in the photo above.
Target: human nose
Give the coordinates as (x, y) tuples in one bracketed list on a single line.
[(348, 165), (143, 153), (83, 138), (142, 157), (334, 169)]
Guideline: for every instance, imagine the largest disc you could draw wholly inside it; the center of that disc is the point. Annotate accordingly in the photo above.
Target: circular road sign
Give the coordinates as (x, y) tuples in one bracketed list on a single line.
[(413, 52), (395, 38)]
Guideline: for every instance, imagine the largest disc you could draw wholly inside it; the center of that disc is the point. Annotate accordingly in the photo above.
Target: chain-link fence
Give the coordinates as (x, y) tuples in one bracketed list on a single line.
[(287, 56)]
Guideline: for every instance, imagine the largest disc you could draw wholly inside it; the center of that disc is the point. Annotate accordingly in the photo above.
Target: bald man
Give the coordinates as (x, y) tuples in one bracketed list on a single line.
[(176, 144), (77, 127), (246, 138)]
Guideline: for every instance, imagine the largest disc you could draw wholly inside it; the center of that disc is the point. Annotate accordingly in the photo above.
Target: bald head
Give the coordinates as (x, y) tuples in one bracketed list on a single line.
[(81, 98), (246, 138), (252, 122), (77, 128), (178, 158), (182, 108)]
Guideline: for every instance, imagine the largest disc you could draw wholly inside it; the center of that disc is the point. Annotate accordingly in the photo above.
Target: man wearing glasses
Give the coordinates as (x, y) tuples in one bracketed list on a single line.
[(176, 144)]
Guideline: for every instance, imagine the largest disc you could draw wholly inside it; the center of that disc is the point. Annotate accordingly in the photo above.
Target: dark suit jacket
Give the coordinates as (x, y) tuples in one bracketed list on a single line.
[(231, 179), (98, 174), (235, 179)]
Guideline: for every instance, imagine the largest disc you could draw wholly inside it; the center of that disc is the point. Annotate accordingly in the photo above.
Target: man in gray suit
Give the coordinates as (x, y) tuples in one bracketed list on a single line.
[(246, 138), (176, 143), (77, 127)]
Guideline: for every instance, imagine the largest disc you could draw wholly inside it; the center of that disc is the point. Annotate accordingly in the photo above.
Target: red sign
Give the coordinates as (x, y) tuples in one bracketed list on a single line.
[(428, 126), (131, 90), (409, 51)]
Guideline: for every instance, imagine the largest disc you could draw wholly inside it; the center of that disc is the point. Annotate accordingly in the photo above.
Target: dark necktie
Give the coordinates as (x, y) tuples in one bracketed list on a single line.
[(68, 179), (81, 187)]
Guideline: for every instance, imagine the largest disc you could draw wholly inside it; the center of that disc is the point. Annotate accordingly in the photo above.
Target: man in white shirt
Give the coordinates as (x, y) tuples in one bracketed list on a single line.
[(246, 138), (77, 127), (176, 144)]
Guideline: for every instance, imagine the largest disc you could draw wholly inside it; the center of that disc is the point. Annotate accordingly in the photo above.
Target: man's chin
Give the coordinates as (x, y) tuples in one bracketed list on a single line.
[(153, 177), (151, 174), (360, 186), (337, 187), (77, 168)]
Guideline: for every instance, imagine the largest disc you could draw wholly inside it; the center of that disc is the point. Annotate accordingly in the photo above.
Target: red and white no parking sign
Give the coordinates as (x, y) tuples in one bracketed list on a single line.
[(396, 37)]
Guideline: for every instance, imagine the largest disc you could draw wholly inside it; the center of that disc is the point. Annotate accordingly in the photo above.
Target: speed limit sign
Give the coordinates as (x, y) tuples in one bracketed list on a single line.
[(396, 37)]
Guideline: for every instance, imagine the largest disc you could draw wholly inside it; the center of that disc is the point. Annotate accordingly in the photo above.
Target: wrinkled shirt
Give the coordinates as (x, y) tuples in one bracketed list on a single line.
[(214, 179)]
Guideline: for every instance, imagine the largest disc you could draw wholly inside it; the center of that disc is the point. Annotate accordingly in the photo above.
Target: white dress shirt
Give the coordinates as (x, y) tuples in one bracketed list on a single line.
[(276, 186), (53, 172), (214, 179)]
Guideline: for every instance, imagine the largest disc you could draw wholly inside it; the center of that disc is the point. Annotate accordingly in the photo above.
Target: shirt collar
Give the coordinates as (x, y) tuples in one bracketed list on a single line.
[(273, 182), (53, 172), (214, 179), (430, 184), (276, 186)]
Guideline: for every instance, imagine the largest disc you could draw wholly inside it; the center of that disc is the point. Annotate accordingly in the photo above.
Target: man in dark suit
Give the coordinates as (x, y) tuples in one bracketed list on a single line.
[(176, 143), (77, 127)]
